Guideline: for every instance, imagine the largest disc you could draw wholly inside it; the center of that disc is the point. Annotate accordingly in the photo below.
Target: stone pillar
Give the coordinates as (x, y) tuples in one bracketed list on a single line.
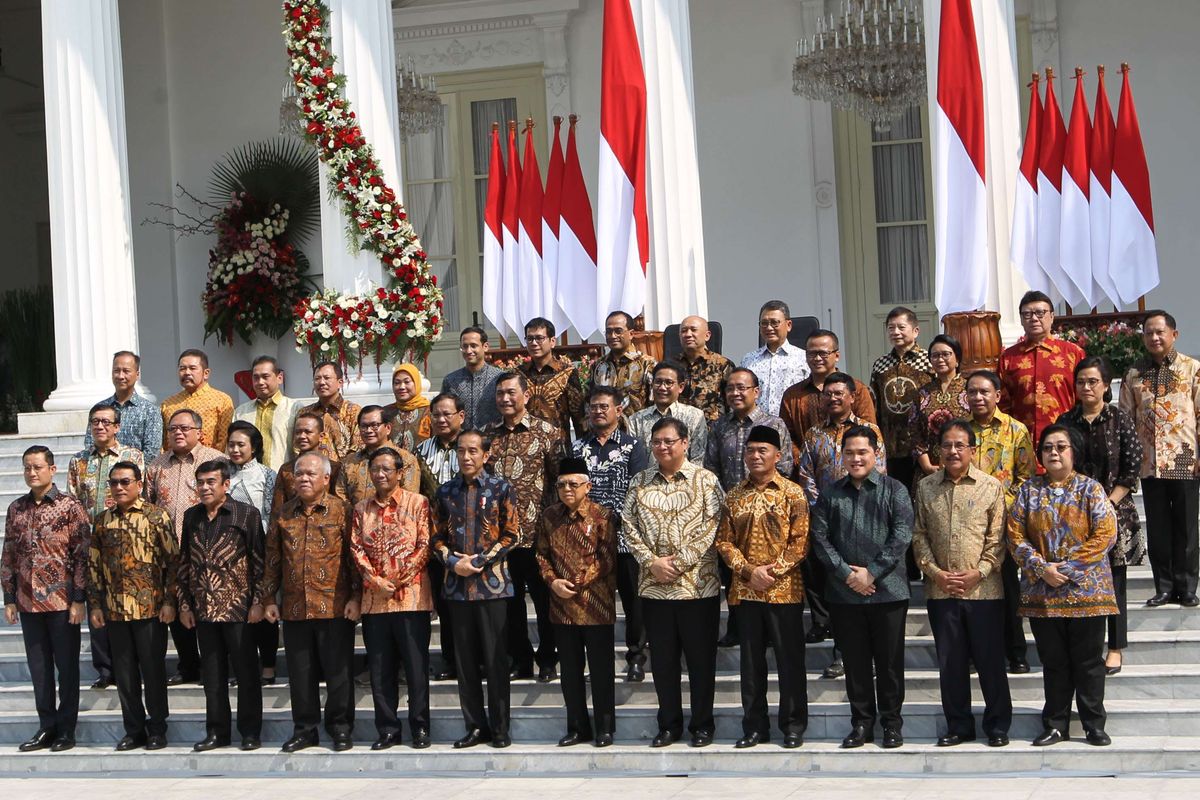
[(95, 306), (675, 276)]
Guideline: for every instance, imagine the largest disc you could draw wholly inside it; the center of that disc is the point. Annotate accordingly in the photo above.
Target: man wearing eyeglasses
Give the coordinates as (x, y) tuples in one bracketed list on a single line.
[(555, 388), (801, 407), (87, 480), (171, 485), (475, 382), (628, 369), (1037, 374), (778, 363), (354, 481), (669, 382)]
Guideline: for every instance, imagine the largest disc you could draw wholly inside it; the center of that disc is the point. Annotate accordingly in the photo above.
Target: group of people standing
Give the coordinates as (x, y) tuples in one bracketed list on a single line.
[(782, 481)]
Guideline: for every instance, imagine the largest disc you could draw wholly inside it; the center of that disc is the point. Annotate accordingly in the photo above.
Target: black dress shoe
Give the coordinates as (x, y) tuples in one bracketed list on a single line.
[(547, 674), (749, 740), (664, 739), (386, 741), (1160, 599), (103, 682), (473, 737), (792, 740), (834, 670), (573, 739), (266, 680), (156, 741), (1110, 671), (998, 740), (953, 740), (1189, 600), (62, 743), (521, 673), (445, 675), (1018, 666), (130, 743), (702, 738), (1098, 738), (179, 678), (299, 742), (635, 674), (233, 682), (250, 743), (727, 641), (817, 634), (1048, 737), (604, 740), (40, 740), (211, 742), (421, 739), (858, 736), (342, 742), (501, 740), (891, 739)]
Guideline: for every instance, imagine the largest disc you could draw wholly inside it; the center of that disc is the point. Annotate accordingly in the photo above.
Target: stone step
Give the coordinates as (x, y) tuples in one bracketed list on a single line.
[(1134, 754), (637, 723)]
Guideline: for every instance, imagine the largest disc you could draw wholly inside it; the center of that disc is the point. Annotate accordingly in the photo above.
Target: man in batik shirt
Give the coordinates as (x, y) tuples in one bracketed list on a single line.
[(354, 482), (895, 380), (141, 419), (339, 434), (705, 370), (622, 366), (555, 386), (214, 406), (778, 363)]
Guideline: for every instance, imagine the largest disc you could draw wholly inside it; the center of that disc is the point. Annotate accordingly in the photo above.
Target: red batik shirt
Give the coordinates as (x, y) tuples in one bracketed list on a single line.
[(1038, 381)]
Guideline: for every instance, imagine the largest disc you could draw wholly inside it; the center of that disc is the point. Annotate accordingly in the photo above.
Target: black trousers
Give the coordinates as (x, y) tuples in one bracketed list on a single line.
[(265, 636), (1015, 647), (222, 644), (52, 643), (100, 648), (903, 469), (139, 651), (526, 577), (1072, 655), (726, 577), (1172, 508), (815, 579), (1118, 625), (631, 603), (782, 624), (969, 632), (327, 644), (392, 639), (481, 637), (437, 579), (595, 642), (187, 648), (871, 638), (687, 628)]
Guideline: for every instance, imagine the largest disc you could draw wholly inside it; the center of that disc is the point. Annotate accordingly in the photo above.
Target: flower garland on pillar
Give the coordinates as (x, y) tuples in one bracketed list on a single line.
[(405, 319)]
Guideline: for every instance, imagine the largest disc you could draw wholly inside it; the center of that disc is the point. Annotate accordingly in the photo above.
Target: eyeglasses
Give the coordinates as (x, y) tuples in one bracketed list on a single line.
[(115, 482), (819, 355), (954, 447), (1088, 382), (181, 428), (382, 469), (1041, 312), (572, 485), (107, 423), (371, 426), (664, 442), (771, 323), (739, 388), (602, 408), (536, 339), (941, 355), (1050, 447), (665, 383)]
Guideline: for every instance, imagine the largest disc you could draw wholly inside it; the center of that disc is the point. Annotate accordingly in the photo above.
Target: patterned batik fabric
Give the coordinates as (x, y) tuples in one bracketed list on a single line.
[(933, 408), (527, 455), (705, 388), (765, 526), (87, 475), (611, 466), (354, 480), (1004, 450), (580, 547), (820, 464), (390, 540), (477, 390), (308, 559), (285, 482), (556, 395), (214, 407), (254, 484), (1071, 524), (44, 563), (631, 372), (133, 562), (643, 422), (340, 437), (676, 517), (801, 408), (1038, 381), (440, 460), (171, 481), (222, 561), (141, 425), (959, 527), (725, 453), (895, 381), (1112, 455), (409, 428), (477, 518), (1164, 400), (776, 372)]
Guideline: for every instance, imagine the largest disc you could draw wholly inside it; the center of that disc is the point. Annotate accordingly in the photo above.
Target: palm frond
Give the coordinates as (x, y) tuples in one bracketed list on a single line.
[(280, 170)]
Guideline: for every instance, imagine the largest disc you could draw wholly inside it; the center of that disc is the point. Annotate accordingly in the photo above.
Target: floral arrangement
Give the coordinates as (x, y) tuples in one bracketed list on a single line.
[(346, 328), (255, 276), (1119, 342), (377, 220)]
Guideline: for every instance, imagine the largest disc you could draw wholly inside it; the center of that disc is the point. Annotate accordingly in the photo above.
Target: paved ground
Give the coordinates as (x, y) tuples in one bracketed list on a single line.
[(577, 788)]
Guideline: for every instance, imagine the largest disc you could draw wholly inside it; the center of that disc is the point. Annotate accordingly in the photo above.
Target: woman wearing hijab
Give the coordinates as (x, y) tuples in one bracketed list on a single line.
[(410, 413)]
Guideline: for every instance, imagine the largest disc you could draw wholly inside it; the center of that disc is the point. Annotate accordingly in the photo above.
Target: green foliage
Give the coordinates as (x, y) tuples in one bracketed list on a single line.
[(281, 170), (1119, 342)]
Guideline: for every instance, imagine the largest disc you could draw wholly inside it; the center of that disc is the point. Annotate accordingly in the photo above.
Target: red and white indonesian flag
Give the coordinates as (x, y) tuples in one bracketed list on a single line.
[(510, 289), (1075, 223), (622, 224), (1051, 149), (960, 194), (551, 210), (1133, 256), (1104, 132), (1023, 244), (493, 239), (576, 246), (529, 234)]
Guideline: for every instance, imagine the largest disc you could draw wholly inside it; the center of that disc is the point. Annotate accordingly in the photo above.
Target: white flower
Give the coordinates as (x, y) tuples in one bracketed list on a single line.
[(383, 313), (325, 330), (347, 333), (354, 345), (324, 345)]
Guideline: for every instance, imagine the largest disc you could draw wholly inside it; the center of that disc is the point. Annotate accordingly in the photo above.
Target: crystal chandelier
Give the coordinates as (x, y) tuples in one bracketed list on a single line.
[(290, 122), (417, 102), (869, 59)]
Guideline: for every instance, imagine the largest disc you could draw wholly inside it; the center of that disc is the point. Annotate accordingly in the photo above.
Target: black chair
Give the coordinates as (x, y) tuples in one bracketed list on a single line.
[(802, 328), (672, 347)]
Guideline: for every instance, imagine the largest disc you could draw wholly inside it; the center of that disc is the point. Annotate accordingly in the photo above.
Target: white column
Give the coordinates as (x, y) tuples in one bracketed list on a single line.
[(676, 277), (995, 32), (95, 307)]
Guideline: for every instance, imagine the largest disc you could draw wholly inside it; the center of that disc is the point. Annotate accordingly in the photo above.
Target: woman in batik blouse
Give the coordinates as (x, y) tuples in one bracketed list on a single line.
[(410, 413), (1060, 528), (254, 484), (1112, 454), (942, 399)]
